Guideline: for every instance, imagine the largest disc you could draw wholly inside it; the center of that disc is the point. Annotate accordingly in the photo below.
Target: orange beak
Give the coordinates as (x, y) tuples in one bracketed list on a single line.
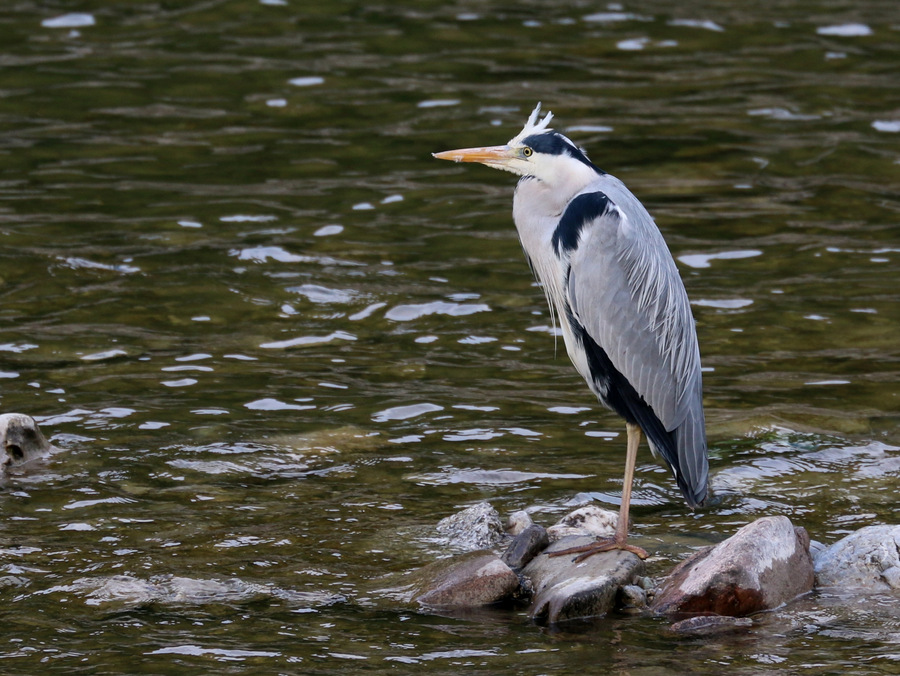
[(491, 156)]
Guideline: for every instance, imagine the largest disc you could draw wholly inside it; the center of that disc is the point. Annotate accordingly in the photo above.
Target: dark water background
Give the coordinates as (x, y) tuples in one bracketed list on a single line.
[(277, 341)]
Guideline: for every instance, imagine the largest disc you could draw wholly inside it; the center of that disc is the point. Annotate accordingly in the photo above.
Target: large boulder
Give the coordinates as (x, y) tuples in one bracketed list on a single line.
[(469, 580), (765, 564), (867, 560), (21, 441), (565, 590)]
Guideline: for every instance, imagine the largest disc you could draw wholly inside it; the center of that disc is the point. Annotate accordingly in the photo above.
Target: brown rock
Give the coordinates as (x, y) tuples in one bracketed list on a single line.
[(763, 565), (469, 580), (565, 590)]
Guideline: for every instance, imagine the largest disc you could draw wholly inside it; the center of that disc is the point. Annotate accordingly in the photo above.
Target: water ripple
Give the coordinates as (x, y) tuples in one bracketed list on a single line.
[(407, 313)]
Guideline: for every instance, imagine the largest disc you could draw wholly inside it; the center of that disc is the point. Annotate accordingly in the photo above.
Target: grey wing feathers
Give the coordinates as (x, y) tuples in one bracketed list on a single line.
[(625, 290)]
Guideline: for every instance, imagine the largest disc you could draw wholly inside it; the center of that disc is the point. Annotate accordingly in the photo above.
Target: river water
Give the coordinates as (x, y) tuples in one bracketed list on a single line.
[(275, 341)]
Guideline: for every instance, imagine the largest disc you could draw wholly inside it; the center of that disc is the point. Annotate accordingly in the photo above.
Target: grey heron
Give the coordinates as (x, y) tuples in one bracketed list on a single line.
[(624, 313)]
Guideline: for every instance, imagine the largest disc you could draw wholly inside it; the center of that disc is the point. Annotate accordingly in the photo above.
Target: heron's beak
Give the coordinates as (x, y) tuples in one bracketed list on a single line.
[(493, 156)]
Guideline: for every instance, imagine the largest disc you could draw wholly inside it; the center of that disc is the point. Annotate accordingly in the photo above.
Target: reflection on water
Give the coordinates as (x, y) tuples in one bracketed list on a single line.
[(276, 341)]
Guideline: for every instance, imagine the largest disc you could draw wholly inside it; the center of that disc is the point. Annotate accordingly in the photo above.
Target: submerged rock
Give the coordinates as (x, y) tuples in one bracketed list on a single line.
[(868, 559), (711, 625), (565, 590), (763, 565), (468, 580), (525, 546), (21, 441), (587, 520), (476, 527), (131, 591)]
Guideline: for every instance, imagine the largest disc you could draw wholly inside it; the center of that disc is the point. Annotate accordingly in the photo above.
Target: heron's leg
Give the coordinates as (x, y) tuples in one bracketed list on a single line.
[(634, 440), (619, 540)]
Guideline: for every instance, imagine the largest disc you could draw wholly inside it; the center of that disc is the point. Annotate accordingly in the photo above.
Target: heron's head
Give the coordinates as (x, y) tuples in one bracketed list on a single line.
[(536, 151)]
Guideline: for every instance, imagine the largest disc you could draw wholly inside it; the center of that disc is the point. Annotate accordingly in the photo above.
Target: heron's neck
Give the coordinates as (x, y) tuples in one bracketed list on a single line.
[(549, 197)]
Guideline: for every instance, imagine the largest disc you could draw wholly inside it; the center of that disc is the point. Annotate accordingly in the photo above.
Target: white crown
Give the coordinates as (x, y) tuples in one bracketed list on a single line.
[(532, 126)]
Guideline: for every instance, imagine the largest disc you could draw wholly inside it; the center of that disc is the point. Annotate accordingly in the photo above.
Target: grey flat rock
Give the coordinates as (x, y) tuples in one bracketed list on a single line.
[(565, 590), (469, 580)]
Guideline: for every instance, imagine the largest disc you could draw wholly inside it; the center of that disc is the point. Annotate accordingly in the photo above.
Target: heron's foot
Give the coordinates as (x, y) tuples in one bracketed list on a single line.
[(605, 545)]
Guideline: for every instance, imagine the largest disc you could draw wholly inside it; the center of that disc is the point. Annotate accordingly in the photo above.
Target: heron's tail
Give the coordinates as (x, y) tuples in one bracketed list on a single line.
[(693, 478), (684, 451)]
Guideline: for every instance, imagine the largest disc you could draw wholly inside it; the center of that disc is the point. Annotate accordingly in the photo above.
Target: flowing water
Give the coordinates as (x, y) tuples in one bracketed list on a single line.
[(275, 341)]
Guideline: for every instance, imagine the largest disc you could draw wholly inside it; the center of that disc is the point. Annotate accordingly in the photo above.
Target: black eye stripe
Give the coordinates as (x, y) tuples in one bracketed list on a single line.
[(554, 143)]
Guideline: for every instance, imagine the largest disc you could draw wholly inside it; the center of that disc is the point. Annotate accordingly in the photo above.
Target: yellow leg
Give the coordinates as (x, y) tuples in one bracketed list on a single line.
[(634, 440), (620, 539)]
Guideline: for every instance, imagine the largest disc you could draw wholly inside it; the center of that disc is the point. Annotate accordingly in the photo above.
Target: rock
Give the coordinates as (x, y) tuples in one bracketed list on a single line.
[(468, 580), (518, 521), (564, 590), (815, 548), (865, 560), (766, 563), (587, 520), (632, 596), (525, 546), (21, 441), (711, 625), (646, 583), (476, 527), (166, 590)]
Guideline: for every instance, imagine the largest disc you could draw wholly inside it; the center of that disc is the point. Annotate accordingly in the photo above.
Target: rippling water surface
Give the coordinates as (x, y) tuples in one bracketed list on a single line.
[(275, 341)]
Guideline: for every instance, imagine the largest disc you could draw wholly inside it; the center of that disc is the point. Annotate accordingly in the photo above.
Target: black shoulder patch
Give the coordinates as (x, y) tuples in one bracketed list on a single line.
[(582, 209)]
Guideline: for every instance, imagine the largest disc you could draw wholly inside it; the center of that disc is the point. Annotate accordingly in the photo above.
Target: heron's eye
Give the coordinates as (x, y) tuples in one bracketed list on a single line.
[(527, 152)]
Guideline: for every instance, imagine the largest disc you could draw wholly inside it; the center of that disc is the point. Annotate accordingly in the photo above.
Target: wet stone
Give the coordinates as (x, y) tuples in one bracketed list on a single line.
[(525, 546), (711, 625), (587, 520), (468, 580), (21, 441), (476, 527), (633, 596), (518, 521), (867, 560), (646, 583), (763, 565), (565, 590)]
